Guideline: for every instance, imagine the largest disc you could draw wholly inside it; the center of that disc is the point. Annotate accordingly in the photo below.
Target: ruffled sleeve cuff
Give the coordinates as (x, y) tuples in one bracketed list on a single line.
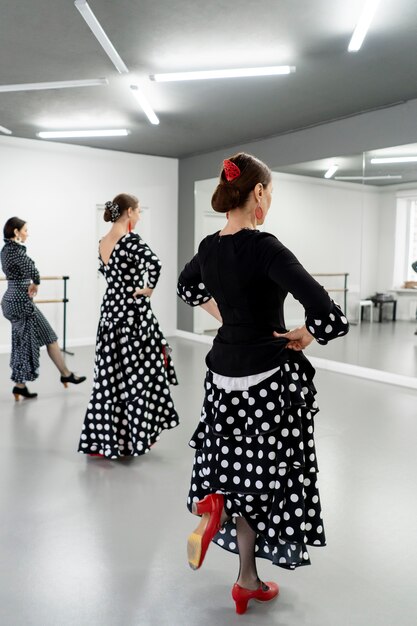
[(154, 271), (194, 295), (330, 327)]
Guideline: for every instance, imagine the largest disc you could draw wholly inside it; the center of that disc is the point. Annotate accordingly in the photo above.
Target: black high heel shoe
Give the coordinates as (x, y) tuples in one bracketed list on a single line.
[(24, 392), (75, 380)]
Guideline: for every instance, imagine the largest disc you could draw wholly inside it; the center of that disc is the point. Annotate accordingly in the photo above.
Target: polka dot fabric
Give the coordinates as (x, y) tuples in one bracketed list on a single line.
[(256, 446), (323, 330), (255, 440), (130, 404), (30, 328), (194, 295)]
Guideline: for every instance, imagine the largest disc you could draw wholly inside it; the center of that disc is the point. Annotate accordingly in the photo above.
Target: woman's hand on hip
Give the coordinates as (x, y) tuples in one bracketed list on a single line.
[(32, 290), (146, 291), (298, 339)]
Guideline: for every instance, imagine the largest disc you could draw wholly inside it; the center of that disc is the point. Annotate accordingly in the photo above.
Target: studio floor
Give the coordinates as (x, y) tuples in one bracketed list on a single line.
[(389, 346), (89, 542)]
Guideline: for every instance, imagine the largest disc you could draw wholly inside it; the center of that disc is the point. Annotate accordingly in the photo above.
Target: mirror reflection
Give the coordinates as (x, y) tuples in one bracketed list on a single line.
[(352, 222)]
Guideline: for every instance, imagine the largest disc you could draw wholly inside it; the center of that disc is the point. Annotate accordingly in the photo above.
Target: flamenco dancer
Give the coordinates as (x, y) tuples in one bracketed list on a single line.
[(30, 328), (130, 403), (254, 480)]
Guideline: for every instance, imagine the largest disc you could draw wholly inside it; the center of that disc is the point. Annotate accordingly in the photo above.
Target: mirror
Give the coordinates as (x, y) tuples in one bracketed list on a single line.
[(352, 222)]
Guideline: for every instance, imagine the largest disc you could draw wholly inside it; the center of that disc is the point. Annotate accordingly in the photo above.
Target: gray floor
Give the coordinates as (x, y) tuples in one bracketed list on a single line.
[(391, 347), (98, 543)]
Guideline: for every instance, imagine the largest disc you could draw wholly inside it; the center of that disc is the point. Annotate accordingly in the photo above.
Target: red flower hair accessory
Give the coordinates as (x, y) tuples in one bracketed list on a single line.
[(231, 170)]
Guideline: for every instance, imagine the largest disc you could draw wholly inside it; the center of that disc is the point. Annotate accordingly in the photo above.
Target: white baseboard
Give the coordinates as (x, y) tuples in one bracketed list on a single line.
[(333, 366), (184, 334), (379, 376)]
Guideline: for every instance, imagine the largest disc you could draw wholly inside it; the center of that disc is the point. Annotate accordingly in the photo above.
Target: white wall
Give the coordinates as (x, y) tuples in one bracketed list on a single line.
[(321, 221), (56, 188), (331, 226)]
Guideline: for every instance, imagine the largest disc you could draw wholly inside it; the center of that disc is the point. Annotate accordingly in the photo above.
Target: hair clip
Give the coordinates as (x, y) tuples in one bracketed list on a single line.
[(231, 170), (114, 210)]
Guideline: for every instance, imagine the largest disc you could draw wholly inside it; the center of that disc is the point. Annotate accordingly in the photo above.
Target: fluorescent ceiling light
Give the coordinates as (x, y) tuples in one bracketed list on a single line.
[(143, 102), (4, 130), (332, 170), (363, 24), (61, 84), (101, 36), (58, 134), (388, 177), (275, 70), (403, 159)]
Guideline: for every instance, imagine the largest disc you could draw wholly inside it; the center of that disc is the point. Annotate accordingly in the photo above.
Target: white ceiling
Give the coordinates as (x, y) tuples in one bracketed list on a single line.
[(48, 40)]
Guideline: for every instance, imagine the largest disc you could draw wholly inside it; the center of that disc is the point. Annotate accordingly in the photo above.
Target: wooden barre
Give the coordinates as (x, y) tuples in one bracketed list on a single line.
[(44, 301), (3, 278), (343, 274)]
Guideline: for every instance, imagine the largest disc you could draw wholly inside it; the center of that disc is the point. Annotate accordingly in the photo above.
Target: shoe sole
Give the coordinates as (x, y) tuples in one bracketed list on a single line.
[(194, 550)]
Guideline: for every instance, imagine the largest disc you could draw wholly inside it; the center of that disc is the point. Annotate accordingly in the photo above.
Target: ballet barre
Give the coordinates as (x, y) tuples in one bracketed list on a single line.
[(63, 301), (343, 290)]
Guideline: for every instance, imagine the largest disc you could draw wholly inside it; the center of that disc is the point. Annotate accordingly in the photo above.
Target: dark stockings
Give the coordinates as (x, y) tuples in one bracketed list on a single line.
[(246, 537)]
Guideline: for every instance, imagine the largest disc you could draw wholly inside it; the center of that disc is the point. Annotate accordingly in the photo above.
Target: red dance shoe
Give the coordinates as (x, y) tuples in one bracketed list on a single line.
[(265, 592), (210, 508)]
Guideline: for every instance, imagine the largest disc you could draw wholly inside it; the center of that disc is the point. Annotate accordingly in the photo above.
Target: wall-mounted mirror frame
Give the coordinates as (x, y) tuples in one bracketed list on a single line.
[(349, 221)]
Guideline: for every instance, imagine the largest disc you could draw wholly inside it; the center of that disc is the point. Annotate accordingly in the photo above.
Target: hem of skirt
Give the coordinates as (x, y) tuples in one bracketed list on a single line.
[(30, 379), (114, 457), (268, 558), (48, 343)]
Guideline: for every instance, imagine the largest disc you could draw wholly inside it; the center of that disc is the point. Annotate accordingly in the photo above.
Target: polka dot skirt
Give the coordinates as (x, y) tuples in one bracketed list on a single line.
[(130, 404), (256, 446)]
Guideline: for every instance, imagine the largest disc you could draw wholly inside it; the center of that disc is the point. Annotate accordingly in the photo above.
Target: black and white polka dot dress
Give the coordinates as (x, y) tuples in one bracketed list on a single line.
[(255, 439), (130, 403), (30, 328)]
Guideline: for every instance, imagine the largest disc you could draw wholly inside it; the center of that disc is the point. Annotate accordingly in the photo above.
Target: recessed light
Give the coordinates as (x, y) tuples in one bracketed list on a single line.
[(144, 104), (58, 134), (388, 177), (61, 84), (403, 159), (332, 170), (274, 70), (98, 31), (363, 24)]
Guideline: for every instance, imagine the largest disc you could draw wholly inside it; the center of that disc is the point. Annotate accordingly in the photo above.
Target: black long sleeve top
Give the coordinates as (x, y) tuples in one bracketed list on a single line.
[(249, 274)]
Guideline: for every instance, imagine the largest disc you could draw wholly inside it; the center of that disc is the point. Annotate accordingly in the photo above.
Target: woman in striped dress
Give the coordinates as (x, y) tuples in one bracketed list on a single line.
[(30, 328)]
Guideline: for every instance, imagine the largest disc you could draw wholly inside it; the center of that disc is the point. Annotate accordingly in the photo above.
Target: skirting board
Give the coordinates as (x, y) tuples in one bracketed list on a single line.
[(333, 366)]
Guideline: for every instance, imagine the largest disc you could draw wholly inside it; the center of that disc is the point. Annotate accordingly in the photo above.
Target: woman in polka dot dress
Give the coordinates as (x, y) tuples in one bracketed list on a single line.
[(130, 404), (254, 480), (30, 328)]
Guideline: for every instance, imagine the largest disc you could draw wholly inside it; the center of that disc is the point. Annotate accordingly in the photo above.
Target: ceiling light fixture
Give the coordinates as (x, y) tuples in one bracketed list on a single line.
[(98, 31), (144, 104), (388, 177), (4, 130), (332, 170), (403, 159), (274, 70), (61, 84), (363, 24), (69, 134)]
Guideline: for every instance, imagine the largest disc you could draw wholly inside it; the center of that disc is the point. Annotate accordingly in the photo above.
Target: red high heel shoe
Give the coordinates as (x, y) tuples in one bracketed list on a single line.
[(265, 592), (210, 508)]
